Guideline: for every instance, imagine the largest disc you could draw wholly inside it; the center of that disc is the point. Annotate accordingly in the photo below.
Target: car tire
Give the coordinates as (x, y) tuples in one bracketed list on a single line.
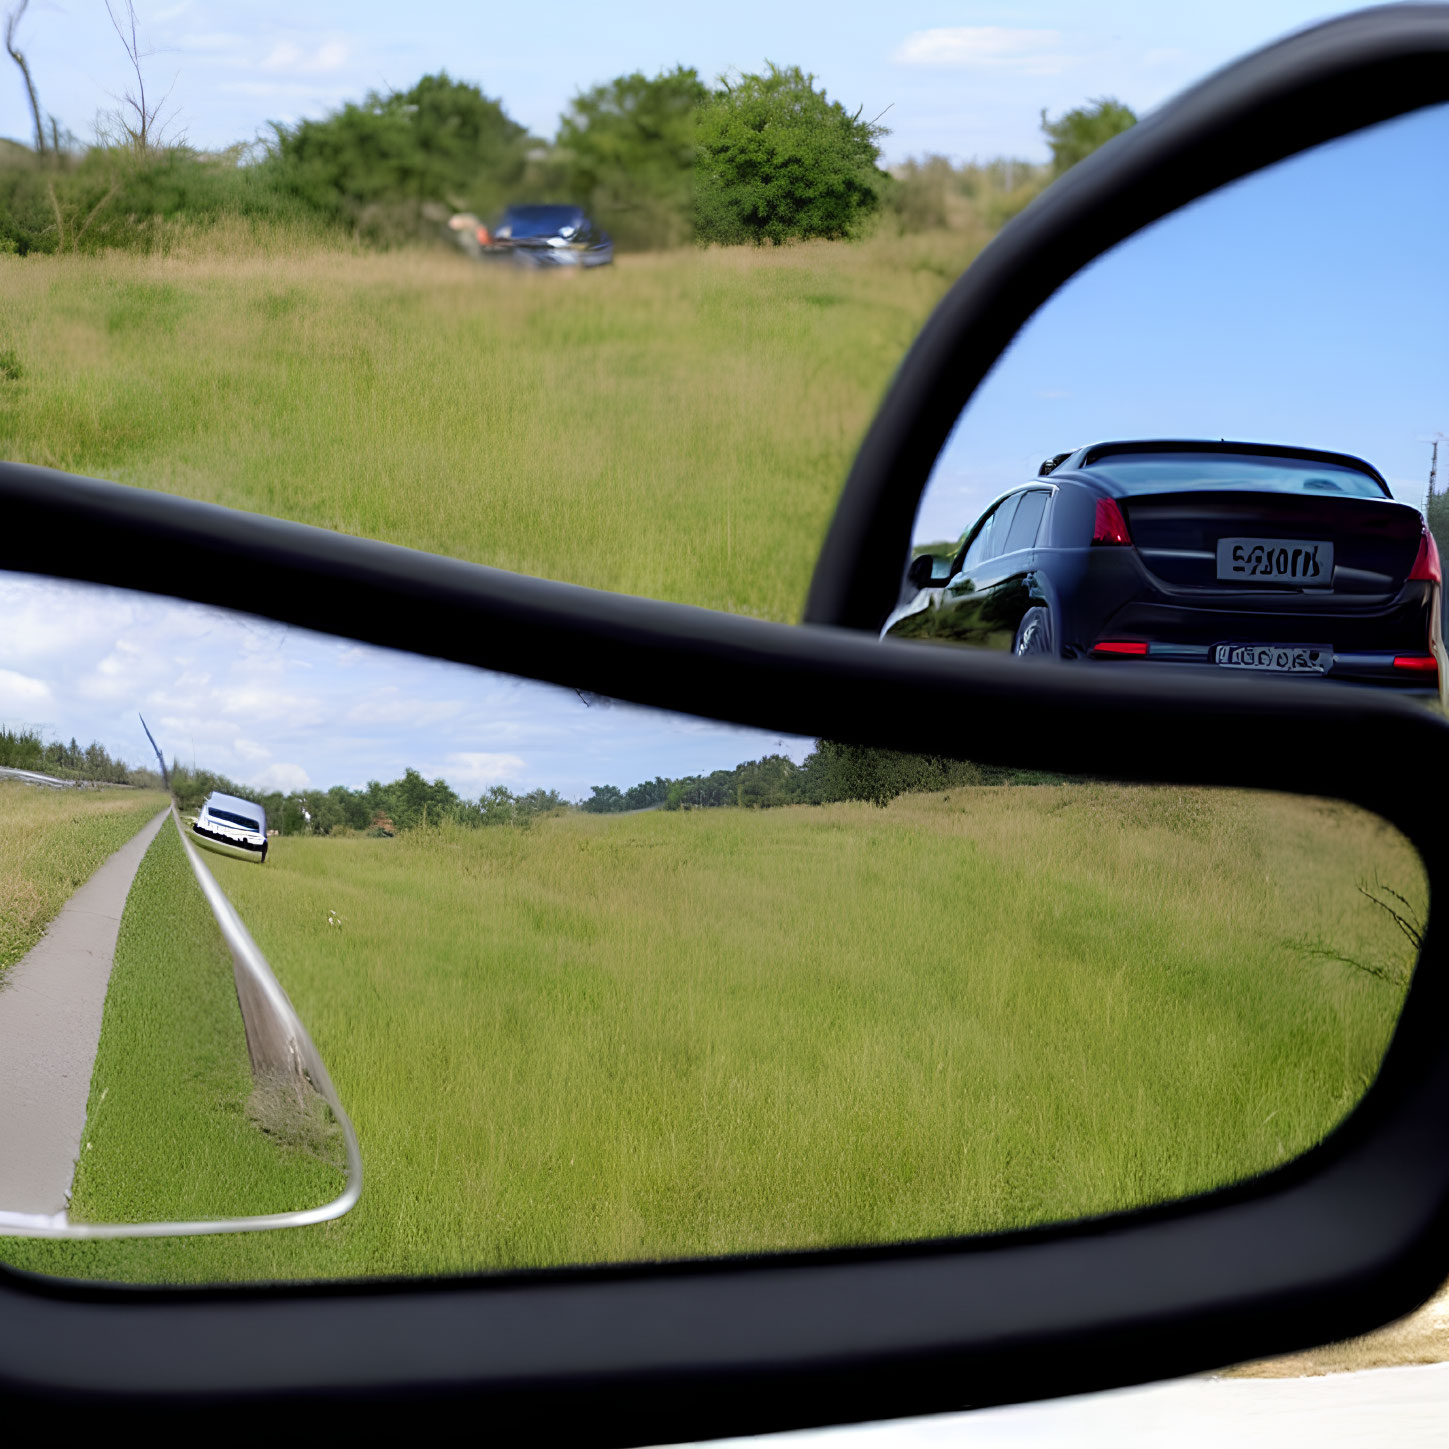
[(1034, 635)]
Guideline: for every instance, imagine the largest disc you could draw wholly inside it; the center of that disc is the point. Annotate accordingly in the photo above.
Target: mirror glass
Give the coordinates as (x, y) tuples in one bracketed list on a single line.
[(1212, 448), (600, 983)]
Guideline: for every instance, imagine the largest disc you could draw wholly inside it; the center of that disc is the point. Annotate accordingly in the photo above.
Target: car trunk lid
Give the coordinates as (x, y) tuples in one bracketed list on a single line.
[(1177, 532)]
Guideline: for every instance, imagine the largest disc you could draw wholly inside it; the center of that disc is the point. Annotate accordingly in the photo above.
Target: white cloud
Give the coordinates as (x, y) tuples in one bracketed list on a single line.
[(19, 692), (282, 777), (300, 89), (287, 55), (332, 55), (251, 750), (476, 769), (391, 706), (45, 620), (986, 47), (216, 44), (276, 706)]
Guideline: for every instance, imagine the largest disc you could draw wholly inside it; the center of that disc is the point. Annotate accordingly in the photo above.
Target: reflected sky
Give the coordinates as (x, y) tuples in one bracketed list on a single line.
[(280, 708), (1303, 305)]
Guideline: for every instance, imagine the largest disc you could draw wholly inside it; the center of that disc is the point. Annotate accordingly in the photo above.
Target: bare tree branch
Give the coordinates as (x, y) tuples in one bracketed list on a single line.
[(12, 24), (137, 119)]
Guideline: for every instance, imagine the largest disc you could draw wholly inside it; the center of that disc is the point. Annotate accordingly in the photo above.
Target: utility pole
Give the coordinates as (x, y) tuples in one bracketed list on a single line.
[(165, 774), (1433, 474)]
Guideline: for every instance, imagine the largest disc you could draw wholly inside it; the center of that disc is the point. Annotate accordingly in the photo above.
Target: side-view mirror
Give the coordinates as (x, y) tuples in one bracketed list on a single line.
[(665, 1137), (927, 570)]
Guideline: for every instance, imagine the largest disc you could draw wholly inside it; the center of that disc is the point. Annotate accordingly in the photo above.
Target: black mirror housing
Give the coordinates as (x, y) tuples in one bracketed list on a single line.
[(928, 570)]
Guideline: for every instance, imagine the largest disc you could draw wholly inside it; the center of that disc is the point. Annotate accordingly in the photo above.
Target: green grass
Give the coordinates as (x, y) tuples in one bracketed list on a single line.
[(678, 425), (51, 842), (723, 1031), (170, 1130)]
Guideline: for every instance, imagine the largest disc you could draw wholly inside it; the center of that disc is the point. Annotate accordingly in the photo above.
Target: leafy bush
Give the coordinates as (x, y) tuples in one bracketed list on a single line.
[(110, 198), (1075, 134), (934, 194), (778, 160)]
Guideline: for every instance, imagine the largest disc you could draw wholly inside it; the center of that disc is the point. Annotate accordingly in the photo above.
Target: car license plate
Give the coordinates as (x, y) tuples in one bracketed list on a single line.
[(1276, 658), (1275, 560)]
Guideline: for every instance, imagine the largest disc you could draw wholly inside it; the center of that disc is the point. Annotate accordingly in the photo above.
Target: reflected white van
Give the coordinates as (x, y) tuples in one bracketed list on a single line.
[(231, 826)]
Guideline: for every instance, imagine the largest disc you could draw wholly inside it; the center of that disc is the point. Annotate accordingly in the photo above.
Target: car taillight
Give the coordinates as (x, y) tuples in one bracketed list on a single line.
[(1426, 562), (1120, 647), (1109, 526), (1417, 663)]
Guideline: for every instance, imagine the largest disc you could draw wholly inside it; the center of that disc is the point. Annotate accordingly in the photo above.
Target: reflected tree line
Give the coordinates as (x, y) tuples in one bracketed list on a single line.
[(378, 809), (831, 772), (26, 749)]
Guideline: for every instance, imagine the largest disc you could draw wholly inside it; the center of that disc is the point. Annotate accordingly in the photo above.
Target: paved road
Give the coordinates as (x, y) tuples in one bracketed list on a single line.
[(1394, 1408), (50, 1025)]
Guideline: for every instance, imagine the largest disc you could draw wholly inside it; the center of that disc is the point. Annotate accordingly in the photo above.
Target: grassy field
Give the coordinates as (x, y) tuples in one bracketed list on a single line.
[(51, 842), (678, 425), (725, 1031)]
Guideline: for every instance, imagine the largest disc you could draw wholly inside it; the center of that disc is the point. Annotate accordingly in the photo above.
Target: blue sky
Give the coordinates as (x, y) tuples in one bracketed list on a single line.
[(1303, 305), (283, 709), (961, 79)]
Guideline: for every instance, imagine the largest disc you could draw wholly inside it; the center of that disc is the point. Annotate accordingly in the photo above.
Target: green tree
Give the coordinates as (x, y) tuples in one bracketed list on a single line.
[(538, 801), (377, 163), (777, 159), (1075, 134), (606, 800), (497, 805), (625, 151)]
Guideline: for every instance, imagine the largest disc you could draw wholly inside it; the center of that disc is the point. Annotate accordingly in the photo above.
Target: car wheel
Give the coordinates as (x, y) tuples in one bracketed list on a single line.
[(1034, 634)]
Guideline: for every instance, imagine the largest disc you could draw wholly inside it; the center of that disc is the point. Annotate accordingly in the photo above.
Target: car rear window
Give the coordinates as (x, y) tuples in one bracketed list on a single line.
[(529, 221), (1149, 472), (227, 815), (1028, 516)]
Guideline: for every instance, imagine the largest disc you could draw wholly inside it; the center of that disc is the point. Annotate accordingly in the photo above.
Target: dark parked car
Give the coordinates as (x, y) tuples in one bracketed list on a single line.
[(548, 236), (1235, 555)]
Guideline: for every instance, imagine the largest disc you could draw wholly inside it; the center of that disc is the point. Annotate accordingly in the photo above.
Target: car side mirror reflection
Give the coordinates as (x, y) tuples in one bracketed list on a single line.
[(1209, 451), (611, 983), (928, 570)]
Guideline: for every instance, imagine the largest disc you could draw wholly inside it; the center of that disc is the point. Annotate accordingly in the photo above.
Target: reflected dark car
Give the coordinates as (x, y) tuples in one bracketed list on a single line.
[(548, 236), (1229, 555)]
